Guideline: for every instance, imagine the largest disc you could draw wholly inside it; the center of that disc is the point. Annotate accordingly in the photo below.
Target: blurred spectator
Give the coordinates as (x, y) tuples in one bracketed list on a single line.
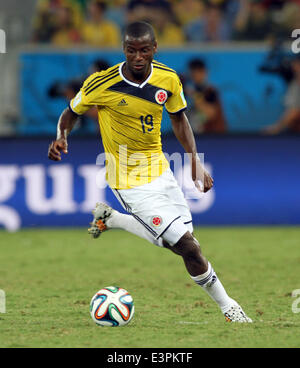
[(188, 10), (287, 19), (44, 23), (168, 31), (160, 15), (230, 9), (290, 119), (211, 26), (49, 16), (253, 21), (97, 31), (66, 33), (278, 61), (115, 12), (206, 113), (273, 4), (69, 90), (143, 7)]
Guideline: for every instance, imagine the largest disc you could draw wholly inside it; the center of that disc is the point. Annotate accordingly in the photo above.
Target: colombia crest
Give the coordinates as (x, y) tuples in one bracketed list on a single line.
[(161, 96), (156, 221)]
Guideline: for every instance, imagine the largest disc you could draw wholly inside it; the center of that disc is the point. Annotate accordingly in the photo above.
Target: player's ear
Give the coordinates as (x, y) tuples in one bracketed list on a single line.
[(154, 47)]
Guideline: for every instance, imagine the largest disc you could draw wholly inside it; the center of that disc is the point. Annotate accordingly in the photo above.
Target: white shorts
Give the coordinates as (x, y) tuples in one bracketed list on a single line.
[(159, 206)]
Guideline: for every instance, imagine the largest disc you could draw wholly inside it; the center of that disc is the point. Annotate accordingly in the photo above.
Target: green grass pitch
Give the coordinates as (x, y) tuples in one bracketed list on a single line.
[(49, 277)]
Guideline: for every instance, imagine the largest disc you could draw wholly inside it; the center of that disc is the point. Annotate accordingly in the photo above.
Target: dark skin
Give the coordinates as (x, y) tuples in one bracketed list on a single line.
[(139, 53)]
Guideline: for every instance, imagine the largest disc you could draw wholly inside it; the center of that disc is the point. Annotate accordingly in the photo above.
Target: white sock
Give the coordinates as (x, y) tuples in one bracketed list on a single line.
[(128, 223), (212, 285)]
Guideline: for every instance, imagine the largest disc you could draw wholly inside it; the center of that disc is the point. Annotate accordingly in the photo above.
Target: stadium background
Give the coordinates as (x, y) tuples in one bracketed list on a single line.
[(50, 48), (248, 225)]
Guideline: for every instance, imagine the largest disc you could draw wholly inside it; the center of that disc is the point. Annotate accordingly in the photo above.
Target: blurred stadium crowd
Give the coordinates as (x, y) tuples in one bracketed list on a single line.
[(177, 22), (181, 24), (100, 22)]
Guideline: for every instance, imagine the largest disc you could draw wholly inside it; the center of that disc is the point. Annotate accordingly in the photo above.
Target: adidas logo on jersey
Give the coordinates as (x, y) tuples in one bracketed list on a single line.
[(122, 103)]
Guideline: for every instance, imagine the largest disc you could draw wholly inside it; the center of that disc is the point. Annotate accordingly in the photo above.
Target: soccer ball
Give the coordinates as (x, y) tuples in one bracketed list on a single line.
[(112, 306)]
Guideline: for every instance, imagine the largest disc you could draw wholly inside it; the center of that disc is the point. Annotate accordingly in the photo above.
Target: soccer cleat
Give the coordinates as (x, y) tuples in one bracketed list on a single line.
[(236, 314), (101, 214)]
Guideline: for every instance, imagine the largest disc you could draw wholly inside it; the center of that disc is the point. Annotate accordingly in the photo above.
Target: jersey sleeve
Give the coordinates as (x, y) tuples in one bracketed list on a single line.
[(176, 102), (86, 97)]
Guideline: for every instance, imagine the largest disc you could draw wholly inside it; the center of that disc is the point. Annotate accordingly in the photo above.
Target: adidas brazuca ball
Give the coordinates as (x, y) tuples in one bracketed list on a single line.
[(112, 306)]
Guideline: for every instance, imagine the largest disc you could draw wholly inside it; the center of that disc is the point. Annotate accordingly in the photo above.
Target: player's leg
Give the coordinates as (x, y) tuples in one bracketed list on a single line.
[(201, 271), (187, 246), (170, 230), (180, 241), (189, 249), (106, 218), (142, 203), (141, 210)]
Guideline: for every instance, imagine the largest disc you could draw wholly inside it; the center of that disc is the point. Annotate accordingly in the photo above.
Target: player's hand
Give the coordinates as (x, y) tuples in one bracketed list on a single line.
[(200, 174), (271, 129), (56, 148)]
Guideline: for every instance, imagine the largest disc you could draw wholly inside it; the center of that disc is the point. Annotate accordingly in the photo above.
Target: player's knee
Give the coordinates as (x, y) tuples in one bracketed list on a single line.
[(187, 246)]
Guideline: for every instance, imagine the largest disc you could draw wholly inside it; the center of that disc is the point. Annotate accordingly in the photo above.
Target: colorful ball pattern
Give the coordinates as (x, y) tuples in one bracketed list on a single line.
[(112, 306)]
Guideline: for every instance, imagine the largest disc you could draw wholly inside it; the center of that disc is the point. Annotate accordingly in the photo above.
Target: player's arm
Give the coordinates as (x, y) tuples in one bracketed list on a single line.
[(65, 125), (185, 136)]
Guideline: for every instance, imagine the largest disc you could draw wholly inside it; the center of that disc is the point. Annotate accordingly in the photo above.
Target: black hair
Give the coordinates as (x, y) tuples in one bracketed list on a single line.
[(139, 29), (101, 5), (100, 64), (197, 64)]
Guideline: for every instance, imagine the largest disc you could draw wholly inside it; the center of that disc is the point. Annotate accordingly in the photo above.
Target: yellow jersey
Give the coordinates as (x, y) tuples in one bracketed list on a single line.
[(130, 117)]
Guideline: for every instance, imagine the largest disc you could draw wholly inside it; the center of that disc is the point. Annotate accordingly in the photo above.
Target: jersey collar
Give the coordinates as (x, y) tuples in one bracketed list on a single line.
[(132, 83)]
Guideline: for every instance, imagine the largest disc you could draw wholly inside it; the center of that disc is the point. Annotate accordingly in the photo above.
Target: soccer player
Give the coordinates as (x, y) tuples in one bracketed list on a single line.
[(130, 97)]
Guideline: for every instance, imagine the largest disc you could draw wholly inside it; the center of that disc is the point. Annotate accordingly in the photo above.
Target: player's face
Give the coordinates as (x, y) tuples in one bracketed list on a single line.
[(139, 54)]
